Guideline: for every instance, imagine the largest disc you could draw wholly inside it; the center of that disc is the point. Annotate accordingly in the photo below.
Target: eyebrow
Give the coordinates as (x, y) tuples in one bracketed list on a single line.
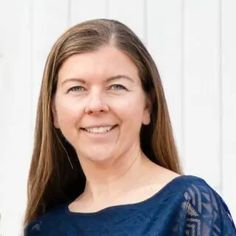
[(74, 79), (119, 77), (107, 80)]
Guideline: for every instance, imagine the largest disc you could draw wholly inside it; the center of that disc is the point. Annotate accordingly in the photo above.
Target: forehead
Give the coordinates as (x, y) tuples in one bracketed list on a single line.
[(106, 61)]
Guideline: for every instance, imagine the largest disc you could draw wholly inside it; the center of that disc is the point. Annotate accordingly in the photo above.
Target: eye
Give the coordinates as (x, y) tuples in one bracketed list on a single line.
[(76, 89), (117, 87)]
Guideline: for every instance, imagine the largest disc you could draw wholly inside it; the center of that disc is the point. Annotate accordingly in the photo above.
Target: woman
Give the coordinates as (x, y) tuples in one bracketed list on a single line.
[(104, 160)]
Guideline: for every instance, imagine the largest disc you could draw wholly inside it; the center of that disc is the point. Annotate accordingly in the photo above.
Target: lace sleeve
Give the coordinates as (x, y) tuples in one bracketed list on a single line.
[(206, 213)]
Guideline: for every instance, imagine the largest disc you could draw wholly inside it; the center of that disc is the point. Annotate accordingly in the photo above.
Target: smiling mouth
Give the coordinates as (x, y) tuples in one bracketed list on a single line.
[(100, 129)]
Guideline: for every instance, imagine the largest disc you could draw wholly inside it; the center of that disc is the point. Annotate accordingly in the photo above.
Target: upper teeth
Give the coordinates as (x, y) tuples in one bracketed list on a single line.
[(99, 130)]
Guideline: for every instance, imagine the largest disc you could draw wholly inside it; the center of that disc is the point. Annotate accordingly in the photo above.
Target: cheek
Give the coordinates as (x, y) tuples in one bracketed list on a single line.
[(137, 105), (131, 110), (68, 119), (68, 114)]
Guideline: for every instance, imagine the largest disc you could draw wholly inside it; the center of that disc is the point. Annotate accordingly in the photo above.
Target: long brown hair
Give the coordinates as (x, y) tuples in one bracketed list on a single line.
[(52, 180)]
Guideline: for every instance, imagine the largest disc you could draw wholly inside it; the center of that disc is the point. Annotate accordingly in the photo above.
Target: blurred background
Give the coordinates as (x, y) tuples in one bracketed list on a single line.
[(193, 43)]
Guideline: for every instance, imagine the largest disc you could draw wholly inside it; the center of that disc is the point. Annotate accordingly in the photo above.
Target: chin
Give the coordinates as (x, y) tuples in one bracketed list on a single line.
[(99, 157)]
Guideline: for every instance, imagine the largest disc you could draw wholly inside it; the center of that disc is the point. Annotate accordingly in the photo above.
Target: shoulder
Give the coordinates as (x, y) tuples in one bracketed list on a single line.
[(166, 178), (181, 184), (203, 209), (46, 221), (198, 195), (197, 190), (190, 183)]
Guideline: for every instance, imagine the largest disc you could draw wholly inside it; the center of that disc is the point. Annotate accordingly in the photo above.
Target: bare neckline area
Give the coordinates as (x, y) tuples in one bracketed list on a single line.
[(156, 194)]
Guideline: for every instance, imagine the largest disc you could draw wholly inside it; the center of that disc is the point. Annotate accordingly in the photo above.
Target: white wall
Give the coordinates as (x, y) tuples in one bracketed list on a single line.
[(193, 44)]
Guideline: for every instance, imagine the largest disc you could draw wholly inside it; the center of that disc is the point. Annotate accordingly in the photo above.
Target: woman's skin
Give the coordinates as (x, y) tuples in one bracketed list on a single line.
[(100, 106)]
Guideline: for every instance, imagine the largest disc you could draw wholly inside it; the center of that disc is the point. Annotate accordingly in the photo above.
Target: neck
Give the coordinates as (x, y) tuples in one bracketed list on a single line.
[(110, 179)]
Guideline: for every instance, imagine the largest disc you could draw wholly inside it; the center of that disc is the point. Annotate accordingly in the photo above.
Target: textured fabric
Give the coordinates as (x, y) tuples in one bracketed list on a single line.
[(185, 206)]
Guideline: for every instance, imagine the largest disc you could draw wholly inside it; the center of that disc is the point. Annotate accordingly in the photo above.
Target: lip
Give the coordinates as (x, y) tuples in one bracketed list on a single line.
[(98, 126)]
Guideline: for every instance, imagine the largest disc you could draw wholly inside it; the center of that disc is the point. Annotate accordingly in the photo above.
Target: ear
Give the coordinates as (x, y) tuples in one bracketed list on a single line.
[(147, 112), (54, 114)]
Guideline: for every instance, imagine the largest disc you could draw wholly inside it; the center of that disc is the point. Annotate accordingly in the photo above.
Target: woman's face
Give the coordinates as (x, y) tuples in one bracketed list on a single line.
[(100, 105)]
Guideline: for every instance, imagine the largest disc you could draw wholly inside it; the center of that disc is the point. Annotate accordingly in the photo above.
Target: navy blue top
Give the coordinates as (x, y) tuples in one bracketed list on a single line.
[(185, 206)]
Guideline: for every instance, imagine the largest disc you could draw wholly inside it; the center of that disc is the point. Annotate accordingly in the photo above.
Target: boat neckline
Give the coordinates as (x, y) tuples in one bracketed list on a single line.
[(121, 206)]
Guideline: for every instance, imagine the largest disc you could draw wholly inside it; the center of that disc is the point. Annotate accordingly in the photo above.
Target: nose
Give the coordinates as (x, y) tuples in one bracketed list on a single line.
[(96, 104)]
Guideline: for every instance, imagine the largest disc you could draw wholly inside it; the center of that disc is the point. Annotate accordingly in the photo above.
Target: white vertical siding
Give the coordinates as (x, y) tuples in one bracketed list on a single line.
[(202, 89), (82, 10), (49, 19), (193, 44), (228, 100), (15, 111), (164, 42), (130, 13)]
